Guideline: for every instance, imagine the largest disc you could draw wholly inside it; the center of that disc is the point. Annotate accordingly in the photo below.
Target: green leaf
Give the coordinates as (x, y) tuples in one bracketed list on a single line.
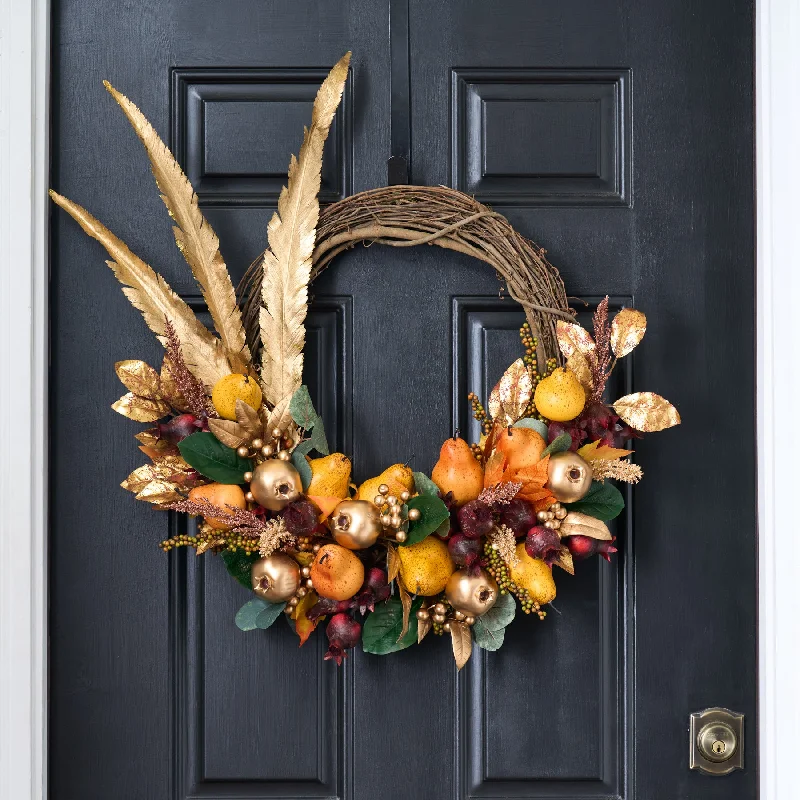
[(424, 485), (269, 614), (603, 501), (211, 458), (382, 627), (246, 616), (489, 629), (318, 439), (558, 445), (534, 424), (302, 466), (302, 409), (433, 512), (239, 565)]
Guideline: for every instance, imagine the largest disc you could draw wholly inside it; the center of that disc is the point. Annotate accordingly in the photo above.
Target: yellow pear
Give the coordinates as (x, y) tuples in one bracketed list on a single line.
[(330, 476), (458, 471), (560, 396), (426, 567), (235, 387), (534, 575), (398, 477)]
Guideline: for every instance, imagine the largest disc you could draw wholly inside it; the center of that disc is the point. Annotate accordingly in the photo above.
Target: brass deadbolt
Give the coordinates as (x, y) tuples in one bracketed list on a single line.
[(716, 741)]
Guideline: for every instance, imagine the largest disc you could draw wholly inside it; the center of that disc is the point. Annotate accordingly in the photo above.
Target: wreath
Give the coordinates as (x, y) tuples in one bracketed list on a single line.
[(234, 439)]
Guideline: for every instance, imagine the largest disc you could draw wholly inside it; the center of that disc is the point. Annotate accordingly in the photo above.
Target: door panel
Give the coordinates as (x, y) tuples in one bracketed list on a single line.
[(617, 135)]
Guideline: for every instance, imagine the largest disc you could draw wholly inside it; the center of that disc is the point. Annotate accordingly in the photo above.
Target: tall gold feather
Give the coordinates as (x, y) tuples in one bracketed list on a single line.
[(193, 234), (151, 294), (287, 263)]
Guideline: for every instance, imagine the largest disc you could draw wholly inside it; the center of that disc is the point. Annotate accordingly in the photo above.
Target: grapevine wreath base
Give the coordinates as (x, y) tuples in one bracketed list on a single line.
[(233, 437)]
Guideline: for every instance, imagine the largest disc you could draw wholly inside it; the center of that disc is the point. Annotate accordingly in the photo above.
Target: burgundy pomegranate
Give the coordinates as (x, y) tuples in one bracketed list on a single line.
[(301, 517), (585, 546), (519, 515), (464, 551), (178, 428), (375, 590), (475, 519), (544, 544), (343, 633)]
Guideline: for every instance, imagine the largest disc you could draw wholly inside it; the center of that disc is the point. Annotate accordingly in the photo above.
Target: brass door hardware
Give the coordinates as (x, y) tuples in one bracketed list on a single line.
[(716, 741)]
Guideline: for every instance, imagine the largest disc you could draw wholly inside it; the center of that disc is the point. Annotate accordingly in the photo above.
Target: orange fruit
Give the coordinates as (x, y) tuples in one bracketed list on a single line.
[(522, 447), (337, 573), (222, 495), (458, 471)]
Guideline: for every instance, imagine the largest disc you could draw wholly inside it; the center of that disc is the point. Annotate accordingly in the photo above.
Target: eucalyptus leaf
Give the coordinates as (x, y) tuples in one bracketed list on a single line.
[(558, 445), (246, 616), (302, 466), (239, 565), (534, 424), (318, 439), (383, 626), (424, 485), (211, 458), (302, 409), (433, 512), (489, 629), (603, 501), (269, 614)]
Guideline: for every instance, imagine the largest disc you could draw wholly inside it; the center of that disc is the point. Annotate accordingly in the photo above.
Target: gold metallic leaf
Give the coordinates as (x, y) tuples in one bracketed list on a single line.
[(138, 479), (392, 562), (160, 492), (169, 389), (230, 433), (280, 416), (627, 331), (287, 263), (152, 295), (646, 411), (594, 451), (565, 561), (510, 397), (140, 409), (423, 628), (579, 365), (405, 599), (462, 642), (194, 236), (248, 418), (578, 524), (139, 378), (572, 338)]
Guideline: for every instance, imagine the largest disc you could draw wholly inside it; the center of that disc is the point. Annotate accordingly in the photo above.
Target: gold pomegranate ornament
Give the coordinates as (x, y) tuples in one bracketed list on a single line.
[(355, 524), (275, 484), (569, 477), (471, 594), (275, 578)]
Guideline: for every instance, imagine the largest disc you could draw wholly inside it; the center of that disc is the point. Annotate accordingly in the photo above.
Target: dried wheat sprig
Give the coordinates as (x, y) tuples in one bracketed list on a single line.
[(189, 386), (616, 468), (503, 540), (238, 520), (273, 536), (601, 355), (501, 494)]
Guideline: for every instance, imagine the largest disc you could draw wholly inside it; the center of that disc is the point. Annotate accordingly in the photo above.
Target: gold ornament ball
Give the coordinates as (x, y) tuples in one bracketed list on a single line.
[(283, 455), (383, 489), (569, 477), (471, 594), (302, 591), (242, 451), (446, 627), (267, 450), (275, 484), (414, 514), (405, 496), (305, 572), (275, 578), (249, 497), (459, 615), (423, 614), (256, 444), (469, 620), (391, 500), (248, 476), (276, 433), (438, 618), (355, 524), (440, 608), (378, 500), (401, 536)]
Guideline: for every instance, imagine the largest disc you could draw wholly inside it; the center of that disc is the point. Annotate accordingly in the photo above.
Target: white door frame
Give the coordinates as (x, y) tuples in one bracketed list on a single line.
[(24, 172)]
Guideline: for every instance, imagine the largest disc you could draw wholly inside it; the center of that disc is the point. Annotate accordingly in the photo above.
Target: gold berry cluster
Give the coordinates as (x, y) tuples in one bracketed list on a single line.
[(260, 449), (440, 616), (553, 516), (391, 510)]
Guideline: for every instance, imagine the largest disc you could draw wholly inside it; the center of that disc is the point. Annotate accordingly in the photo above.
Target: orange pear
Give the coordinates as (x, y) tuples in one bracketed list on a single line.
[(522, 447), (458, 471)]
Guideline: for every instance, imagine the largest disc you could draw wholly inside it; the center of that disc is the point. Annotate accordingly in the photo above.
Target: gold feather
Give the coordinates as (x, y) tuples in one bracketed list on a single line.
[(287, 263), (194, 236), (152, 295)]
